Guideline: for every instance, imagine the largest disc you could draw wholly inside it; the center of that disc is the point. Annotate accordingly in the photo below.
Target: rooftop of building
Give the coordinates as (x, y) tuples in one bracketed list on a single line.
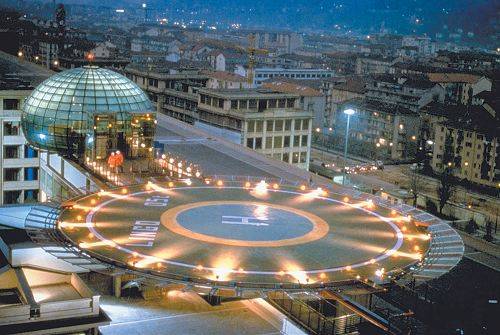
[(373, 105), (419, 67), (249, 93), (12, 82), (354, 84), (379, 58), (440, 109), (455, 77), (470, 55), (491, 98), (299, 87), (164, 68), (34, 74), (302, 58), (225, 75), (267, 68), (477, 119), (413, 81)]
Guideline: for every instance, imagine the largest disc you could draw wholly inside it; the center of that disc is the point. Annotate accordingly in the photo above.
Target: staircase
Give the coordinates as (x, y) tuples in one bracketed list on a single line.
[(41, 227)]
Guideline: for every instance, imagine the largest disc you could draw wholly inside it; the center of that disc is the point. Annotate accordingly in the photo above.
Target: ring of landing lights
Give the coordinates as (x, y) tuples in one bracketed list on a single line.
[(236, 233)]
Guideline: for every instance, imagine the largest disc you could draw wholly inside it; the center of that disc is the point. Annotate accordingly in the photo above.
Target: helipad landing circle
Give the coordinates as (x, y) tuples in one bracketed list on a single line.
[(170, 231), (245, 224)]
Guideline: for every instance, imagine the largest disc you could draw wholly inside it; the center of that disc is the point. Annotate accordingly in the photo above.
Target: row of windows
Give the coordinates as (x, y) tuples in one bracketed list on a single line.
[(277, 125), (17, 197), (14, 151), (212, 101), (468, 134), (14, 174), (293, 75), (262, 103), (277, 142)]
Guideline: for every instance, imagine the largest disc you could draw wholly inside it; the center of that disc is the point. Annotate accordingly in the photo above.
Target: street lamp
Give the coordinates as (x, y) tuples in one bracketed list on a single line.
[(348, 112)]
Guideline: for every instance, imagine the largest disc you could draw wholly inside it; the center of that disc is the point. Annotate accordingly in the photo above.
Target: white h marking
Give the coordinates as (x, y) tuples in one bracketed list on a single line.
[(244, 220)]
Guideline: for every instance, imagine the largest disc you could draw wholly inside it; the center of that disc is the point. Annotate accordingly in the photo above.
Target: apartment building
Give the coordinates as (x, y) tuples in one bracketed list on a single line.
[(411, 92), (473, 146), (280, 41), (374, 64), (388, 119), (461, 87), (339, 90), (19, 163), (267, 121), (379, 130)]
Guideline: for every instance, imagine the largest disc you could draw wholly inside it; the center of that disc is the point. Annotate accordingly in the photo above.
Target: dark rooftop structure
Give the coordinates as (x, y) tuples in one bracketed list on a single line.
[(12, 82), (478, 119)]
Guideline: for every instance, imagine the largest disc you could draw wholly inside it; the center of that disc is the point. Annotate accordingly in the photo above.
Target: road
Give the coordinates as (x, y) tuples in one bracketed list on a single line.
[(398, 176)]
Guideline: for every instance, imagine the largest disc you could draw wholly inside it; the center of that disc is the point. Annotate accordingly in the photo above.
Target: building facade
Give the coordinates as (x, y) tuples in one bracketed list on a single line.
[(263, 74), (268, 122), (470, 145), (19, 173)]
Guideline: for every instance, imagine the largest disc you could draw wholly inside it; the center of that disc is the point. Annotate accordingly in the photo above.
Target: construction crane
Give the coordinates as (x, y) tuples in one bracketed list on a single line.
[(252, 51)]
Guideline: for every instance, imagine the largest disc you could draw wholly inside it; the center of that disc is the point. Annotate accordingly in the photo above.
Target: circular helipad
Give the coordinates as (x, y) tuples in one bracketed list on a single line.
[(243, 234), (244, 224)]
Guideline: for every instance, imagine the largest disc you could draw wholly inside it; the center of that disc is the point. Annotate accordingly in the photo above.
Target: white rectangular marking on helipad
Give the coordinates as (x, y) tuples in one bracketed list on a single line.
[(244, 220)]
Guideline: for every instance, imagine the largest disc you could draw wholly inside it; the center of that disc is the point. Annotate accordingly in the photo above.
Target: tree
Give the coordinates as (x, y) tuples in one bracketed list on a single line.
[(416, 182), (471, 226), (489, 228), (445, 189)]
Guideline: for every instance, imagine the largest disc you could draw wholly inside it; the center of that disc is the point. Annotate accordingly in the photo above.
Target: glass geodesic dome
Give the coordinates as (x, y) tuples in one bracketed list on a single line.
[(60, 113)]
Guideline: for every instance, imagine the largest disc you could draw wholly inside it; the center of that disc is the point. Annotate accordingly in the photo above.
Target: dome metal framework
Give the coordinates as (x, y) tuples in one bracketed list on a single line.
[(71, 111)]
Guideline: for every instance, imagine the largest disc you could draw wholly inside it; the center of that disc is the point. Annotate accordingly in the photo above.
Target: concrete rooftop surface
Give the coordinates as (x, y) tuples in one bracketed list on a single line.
[(182, 313)]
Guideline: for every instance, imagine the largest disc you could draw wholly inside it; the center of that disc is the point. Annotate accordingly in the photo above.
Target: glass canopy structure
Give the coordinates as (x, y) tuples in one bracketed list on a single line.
[(88, 112)]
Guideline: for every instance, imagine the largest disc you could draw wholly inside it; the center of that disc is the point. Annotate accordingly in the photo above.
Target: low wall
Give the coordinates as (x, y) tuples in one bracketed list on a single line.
[(453, 210)]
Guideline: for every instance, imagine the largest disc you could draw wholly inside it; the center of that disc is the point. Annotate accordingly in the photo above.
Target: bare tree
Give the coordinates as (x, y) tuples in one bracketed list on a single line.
[(445, 188), (416, 182)]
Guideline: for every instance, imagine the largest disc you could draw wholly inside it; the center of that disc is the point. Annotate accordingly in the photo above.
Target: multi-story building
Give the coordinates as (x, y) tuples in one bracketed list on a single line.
[(411, 92), (343, 63), (423, 44), (311, 97), (460, 86), (281, 41), (379, 130), (174, 91), (269, 122), (387, 122), (373, 64), (223, 79), (339, 90), (19, 163), (469, 143), (263, 74)]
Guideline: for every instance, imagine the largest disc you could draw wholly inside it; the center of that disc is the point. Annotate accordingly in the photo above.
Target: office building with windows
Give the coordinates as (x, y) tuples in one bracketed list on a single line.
[(270, 122)]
